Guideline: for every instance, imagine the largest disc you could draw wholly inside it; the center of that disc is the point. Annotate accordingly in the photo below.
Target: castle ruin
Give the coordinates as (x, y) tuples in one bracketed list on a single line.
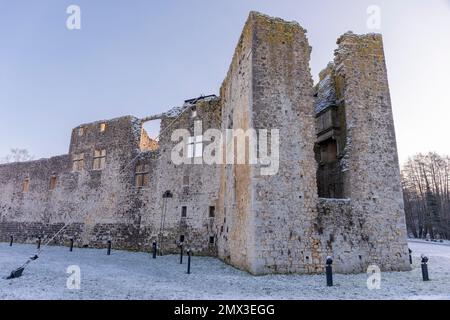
[(336, 191)]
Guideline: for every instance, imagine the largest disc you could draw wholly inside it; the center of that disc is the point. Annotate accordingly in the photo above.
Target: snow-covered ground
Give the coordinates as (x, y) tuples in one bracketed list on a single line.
[(130, 275)]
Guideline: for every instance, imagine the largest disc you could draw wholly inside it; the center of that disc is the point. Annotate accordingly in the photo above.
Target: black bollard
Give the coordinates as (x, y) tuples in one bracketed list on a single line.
[(154, 249), (329, 271), (189, 261), (181, 253), (424, 268), (109, 248), (11, 241), (410, 257), (39, 243), (71, 245)]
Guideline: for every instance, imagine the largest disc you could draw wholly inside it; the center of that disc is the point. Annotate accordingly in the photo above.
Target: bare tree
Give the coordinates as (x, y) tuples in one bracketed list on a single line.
[(425, 181), (17, 155)]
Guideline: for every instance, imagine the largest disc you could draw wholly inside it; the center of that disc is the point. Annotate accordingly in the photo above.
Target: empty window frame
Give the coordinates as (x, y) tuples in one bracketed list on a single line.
[(26, 185), (141, 175), (99, 159), (195, 147), (212, 211), (78, 162), (183, 211), (193, 112), (53, 181), (182, 238), (211, 240)]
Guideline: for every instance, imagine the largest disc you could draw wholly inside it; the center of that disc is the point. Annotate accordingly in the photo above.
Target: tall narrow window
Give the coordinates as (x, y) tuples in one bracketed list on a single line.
[(78, 162), (26, 185), (141, 175), (182, 238), (102, 127), (183, 211), (212, 211), (211, 240), (99, 159), (195, 147), (53, 181)]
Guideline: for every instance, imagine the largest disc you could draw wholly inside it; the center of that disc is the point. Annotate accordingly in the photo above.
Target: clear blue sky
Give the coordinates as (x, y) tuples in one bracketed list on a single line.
[(143, 57)]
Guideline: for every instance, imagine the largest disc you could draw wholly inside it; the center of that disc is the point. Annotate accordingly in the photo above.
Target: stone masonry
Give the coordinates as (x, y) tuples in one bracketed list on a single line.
[(336, 191)]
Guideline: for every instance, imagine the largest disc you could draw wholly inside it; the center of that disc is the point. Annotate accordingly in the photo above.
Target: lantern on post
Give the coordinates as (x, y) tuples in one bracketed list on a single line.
[(166, 195)]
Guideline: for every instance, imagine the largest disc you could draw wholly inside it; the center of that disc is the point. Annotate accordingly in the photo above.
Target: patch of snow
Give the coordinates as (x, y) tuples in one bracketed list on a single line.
[(135, 275), (335, 199)]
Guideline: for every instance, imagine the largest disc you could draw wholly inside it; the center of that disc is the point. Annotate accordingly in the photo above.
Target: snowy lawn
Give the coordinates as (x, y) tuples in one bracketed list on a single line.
[(130, 275)]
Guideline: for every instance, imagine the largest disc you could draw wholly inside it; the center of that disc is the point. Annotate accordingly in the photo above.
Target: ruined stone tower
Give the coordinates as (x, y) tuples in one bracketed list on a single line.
[(269, 86), (336, 189)]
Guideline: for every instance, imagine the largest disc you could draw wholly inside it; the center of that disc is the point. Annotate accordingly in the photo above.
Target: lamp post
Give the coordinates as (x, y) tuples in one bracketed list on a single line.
[(166, 195)]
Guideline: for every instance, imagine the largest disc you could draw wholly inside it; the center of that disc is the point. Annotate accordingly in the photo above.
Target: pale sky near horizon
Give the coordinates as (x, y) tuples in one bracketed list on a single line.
[(144, 57)]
